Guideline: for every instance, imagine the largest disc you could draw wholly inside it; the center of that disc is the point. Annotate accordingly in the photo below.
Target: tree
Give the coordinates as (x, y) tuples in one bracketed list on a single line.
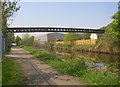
[(111, 38), (27, 40), (86, 36), (8, 10), (119, 5), (71, 37), (18, 39), (32, 40), (9, 41)]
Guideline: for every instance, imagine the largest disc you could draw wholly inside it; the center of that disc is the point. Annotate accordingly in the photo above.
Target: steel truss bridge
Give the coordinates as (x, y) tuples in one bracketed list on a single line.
[(52, 29)]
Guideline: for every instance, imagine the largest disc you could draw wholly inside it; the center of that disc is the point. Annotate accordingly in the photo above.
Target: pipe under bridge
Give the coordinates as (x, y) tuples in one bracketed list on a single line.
[(52, 29)]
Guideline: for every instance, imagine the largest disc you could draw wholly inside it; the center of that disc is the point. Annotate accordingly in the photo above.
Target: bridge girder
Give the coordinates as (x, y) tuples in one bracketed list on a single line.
[(51, 29)]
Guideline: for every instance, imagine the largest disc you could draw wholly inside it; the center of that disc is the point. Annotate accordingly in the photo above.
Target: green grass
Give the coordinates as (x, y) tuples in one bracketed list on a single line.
[(11, 72), (75, 68)]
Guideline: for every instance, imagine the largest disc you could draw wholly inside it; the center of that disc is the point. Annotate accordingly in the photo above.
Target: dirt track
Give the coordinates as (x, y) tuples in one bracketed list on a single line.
[(38, 73)]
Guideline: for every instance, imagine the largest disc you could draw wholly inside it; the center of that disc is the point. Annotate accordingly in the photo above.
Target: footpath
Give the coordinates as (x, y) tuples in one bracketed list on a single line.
[(37, 72)]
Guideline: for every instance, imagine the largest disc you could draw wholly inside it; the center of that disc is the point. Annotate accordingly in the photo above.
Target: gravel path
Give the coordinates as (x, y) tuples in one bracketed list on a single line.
[(37, 72)]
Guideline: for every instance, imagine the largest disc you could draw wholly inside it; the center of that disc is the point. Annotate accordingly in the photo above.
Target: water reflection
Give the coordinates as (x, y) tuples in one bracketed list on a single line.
[(93, 60), (95, 57)]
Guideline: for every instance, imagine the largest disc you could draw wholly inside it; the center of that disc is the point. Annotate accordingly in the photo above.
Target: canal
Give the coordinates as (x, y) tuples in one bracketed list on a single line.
[(100, 63)]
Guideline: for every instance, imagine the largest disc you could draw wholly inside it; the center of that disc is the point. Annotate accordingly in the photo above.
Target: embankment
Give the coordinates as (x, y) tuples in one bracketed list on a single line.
[(88, 48)]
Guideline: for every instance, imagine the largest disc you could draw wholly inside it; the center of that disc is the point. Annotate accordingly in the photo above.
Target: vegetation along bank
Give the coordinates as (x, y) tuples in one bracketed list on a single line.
[(76, 67)]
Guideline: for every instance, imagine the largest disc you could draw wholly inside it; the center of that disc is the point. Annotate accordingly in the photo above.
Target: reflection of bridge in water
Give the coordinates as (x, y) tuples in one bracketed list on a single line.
[(52, 29)]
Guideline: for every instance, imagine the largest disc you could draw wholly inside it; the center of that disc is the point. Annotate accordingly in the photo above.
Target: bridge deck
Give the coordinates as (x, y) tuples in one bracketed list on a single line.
[(52, 29)]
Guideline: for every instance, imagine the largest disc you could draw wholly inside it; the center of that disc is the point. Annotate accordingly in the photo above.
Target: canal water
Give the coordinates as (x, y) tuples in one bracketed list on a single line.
[(106, 62), (97, 68)]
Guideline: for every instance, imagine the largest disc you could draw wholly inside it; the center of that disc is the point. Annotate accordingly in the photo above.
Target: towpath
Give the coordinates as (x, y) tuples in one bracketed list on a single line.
[(37, 72)]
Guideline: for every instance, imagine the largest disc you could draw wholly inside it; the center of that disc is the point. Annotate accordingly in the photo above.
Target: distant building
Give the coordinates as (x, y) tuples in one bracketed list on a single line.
[(95, 36), (49, 37)]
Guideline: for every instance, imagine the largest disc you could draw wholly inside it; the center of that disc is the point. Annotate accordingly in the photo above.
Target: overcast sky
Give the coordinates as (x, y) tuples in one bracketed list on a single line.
[(65, 14)]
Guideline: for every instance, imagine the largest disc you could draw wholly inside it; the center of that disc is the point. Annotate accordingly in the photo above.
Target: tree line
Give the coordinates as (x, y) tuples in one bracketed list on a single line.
[(111, 38), (26, 40)]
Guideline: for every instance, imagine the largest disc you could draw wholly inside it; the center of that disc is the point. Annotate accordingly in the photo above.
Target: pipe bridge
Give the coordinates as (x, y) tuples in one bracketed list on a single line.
[(52, 29)]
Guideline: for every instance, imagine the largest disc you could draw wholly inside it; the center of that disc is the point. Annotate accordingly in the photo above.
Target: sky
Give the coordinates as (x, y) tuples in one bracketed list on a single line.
[(65, 14)]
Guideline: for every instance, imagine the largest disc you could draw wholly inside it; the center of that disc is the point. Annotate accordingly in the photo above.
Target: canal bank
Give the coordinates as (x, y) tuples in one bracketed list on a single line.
[(87, 48), (86, 70)]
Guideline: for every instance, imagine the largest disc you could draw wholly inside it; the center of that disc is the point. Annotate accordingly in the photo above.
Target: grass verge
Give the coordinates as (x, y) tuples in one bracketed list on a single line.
[(75, 68), (11, 72)]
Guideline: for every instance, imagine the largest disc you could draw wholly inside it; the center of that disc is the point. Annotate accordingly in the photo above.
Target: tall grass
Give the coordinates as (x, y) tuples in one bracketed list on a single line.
[(11, 72), (75, 68)]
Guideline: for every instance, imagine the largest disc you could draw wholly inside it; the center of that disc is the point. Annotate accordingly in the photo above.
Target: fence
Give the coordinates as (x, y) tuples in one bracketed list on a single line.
[(79, 42)]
